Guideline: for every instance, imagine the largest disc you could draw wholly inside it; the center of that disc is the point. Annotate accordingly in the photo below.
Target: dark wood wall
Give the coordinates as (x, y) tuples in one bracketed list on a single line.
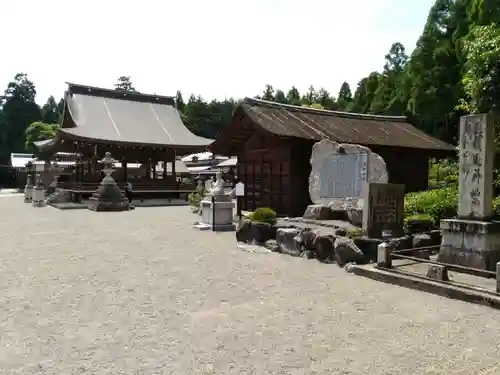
[(264, 166), (406, 166)]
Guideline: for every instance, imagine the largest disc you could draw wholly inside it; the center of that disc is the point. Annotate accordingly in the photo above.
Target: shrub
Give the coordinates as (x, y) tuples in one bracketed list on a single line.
[(194, 199), (496, 207), (419, 218), (437, 204), (263, 215)]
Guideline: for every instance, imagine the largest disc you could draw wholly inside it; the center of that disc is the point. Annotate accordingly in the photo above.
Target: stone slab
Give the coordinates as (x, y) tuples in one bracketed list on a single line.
[(317, 212), (339, 172), (384, 209)]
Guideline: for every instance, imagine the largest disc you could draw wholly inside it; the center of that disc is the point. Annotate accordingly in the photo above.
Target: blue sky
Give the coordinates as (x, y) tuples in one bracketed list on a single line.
[(214, 48)]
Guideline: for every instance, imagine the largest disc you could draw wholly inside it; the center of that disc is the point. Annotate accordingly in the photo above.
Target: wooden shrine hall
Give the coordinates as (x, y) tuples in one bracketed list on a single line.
[(273, 143), (133, 127)]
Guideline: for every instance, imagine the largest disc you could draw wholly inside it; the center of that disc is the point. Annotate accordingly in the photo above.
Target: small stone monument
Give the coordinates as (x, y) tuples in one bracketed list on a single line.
[(108, 196), (28, 189), (217, 208), (472, 239), (384, 209), (209, 184), (38, 199), (339, 173)]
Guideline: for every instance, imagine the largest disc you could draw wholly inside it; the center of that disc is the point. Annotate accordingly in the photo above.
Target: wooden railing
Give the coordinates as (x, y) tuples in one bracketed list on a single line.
[(137, 187)]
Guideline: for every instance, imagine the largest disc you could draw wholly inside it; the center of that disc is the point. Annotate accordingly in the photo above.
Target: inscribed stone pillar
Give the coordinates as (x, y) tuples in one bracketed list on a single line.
[(473, 240), (477, 154)]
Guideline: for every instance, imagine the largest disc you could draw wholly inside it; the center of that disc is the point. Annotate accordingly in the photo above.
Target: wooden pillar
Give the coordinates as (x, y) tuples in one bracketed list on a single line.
[(125, 172), (164, 174), (173, 170)]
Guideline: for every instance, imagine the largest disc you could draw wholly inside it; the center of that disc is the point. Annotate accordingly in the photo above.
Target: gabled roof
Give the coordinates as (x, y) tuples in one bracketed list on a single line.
[(98, 114), (317, 124)]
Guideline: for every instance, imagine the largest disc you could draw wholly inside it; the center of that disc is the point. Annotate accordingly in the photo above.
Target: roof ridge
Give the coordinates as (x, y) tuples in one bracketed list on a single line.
[(118, 94), (269, 103)]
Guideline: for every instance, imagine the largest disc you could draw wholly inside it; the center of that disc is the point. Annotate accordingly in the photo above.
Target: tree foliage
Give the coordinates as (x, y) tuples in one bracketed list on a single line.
[(125, 84), (39, 131)]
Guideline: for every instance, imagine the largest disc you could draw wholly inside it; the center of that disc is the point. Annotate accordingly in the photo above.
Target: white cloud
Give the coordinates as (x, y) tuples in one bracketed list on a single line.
[(213, 48)]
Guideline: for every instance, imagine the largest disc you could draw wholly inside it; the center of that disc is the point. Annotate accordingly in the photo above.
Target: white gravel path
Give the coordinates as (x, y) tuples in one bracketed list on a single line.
[(142, 292)]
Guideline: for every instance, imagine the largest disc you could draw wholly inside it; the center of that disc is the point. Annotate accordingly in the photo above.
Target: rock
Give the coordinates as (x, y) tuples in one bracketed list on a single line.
[(307, 254), (272, 245), (436, 236), (401, 243), (261, 232), (341, 232), (255, 232), (317, 212), (309, 238), (346, 251), (243, 232), (369, 246), (349, 267), (418, 225), (422, 240), (324, 246), (355, 216), (289, 240)]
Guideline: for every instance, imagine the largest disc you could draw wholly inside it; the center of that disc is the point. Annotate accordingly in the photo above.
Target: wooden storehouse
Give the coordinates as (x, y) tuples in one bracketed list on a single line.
[(273, 143)]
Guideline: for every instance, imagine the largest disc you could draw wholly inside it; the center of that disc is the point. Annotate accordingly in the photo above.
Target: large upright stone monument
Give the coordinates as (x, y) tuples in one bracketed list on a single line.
[(472, 239), (108, 196), (339, 173)]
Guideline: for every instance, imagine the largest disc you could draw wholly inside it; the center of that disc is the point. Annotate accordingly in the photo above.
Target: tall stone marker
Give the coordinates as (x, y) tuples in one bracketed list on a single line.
[(472, 239), (476, 160), (384, 209)]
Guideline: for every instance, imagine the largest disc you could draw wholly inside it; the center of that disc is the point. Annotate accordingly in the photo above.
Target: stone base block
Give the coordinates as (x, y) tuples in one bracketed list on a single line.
[(438, 272), (218, 215), (470, 243), (99, 205), (38, 203)]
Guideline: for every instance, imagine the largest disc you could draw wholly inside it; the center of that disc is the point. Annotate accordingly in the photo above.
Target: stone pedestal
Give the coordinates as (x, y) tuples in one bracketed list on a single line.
[(217, 215), (38, 196), (108, 196), (470, 243), (28, 189)]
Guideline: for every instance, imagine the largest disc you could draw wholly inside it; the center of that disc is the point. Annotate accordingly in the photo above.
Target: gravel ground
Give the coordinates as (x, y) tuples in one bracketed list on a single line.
[(142, 292)]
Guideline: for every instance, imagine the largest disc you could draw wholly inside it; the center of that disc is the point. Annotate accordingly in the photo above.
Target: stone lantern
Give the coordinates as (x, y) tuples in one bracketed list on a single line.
[(39, 190), (108, 196), (28, 188), (56, 171)]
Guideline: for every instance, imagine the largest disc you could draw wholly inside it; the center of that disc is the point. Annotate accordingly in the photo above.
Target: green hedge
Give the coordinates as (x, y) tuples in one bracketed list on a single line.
[(263, 215), (438, 204)]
